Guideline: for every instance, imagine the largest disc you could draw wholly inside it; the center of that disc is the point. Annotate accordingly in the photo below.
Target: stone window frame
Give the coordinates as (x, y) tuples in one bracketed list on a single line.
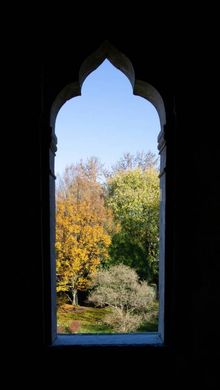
[(147, 91)]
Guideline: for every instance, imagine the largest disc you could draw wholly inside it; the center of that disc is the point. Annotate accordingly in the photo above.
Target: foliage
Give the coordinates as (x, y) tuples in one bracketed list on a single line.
[(123, 322), (119, 288), (140, 160), (118, 223), (83, 226), (133, 196)]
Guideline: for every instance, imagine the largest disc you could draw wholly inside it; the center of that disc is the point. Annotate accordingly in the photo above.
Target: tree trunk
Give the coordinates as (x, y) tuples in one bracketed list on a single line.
[(75, 297)]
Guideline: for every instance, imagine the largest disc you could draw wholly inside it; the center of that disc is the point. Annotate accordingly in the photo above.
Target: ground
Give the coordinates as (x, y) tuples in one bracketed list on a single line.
[(82, 319)]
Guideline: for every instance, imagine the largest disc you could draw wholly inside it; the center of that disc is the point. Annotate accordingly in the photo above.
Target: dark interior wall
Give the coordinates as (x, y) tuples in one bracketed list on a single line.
[(192, 233)]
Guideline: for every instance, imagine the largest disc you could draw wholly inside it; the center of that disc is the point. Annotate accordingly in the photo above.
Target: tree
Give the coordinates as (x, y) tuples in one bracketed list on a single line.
[(133, 196), (120, 289), (140, 160), (83, 226)]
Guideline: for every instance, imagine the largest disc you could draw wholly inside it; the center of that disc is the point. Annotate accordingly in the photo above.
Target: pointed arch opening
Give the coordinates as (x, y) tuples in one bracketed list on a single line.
[(147, 91)]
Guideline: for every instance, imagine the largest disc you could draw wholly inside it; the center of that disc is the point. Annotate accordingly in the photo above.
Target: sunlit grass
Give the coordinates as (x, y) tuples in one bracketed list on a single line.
[(86, 319), (81, 319)]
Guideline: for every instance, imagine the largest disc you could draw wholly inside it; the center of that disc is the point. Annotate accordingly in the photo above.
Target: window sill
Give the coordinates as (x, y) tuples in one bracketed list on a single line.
[(87, 340)]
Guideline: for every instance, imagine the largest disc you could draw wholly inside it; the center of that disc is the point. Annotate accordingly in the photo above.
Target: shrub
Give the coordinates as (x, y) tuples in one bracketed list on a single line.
[(119, 288)]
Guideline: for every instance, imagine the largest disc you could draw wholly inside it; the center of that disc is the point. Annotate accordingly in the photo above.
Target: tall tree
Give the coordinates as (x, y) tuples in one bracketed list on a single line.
[(83, 226), (133, 196), (139, 160)]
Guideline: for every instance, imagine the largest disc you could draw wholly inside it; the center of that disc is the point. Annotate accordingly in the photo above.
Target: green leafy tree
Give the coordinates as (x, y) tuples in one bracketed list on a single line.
[(133, 195)]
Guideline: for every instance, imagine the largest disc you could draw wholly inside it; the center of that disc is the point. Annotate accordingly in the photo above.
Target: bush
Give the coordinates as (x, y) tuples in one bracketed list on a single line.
[(119, 288)]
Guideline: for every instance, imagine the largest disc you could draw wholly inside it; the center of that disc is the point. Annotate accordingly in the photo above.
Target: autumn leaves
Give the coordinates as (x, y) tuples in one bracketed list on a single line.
[(112, 221)]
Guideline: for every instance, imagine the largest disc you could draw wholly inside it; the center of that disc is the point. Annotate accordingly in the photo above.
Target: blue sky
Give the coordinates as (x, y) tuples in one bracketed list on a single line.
[(106, 121)]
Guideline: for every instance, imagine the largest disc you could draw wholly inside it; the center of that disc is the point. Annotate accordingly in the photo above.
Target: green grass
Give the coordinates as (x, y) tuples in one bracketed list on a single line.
[(151, 323), (81, 319), (86, 319)]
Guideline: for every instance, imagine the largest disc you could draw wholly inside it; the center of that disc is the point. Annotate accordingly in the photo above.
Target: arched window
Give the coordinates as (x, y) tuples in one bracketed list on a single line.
[(147, 91)]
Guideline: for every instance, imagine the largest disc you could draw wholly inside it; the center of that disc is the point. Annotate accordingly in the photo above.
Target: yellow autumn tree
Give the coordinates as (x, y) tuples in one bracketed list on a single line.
[(83, 226)]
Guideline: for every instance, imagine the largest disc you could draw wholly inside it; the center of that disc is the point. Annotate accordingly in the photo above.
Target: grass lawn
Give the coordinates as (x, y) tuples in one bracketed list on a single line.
[(81, 319)]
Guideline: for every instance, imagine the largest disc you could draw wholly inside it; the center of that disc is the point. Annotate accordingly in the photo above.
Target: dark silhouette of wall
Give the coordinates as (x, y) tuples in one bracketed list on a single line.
[(190, 353)]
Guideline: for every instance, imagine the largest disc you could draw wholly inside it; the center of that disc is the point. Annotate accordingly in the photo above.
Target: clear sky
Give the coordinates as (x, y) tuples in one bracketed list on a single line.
[(106, 121)]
